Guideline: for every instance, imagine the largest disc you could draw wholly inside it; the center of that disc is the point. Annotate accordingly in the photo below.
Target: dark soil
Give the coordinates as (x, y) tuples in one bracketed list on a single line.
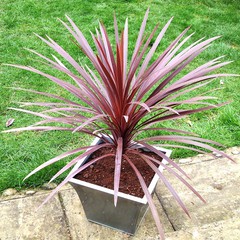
[(102, 172)]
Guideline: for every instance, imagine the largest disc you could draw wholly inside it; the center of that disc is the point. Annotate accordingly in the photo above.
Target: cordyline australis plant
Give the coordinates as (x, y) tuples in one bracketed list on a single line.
[(124, 96)]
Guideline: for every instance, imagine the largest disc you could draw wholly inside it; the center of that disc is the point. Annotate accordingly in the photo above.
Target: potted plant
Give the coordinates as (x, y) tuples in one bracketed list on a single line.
[(117, 98)]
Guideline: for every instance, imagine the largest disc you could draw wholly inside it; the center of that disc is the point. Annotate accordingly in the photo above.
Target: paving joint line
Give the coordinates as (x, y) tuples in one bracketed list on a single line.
[(22, 196), (202, 161), (165, 211), (65, 215)]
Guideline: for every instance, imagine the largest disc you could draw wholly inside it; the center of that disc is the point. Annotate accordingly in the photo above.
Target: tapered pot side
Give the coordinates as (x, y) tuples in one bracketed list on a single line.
[(99, 206)]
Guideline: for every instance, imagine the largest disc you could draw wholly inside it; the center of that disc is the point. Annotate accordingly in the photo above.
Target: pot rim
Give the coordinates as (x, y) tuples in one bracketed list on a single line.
[(111, 191)]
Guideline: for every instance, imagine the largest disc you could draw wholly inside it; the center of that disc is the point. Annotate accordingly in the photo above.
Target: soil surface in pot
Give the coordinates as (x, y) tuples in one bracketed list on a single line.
[(102, 172)]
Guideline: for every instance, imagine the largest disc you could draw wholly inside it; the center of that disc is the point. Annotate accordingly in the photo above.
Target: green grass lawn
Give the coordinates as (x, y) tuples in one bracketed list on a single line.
[(22, 152)]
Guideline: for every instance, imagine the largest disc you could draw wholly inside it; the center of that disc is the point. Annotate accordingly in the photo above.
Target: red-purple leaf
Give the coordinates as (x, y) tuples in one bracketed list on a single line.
[(154, 47), (80, 158), (39, 128), (163, 156), (90, 120), (70, 176), (167, 184), (176, 175), (117, 172), (149, 198), (53, 160)]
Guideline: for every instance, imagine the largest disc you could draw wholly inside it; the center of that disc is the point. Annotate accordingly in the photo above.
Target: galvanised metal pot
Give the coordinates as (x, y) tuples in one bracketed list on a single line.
[(99, 207)]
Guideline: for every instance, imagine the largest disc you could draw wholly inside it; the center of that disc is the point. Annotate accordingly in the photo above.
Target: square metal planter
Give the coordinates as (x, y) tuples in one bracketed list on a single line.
[(98, 202)]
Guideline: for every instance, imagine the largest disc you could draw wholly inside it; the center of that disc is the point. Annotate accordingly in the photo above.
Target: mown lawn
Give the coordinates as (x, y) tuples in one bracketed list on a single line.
[(22, 152)]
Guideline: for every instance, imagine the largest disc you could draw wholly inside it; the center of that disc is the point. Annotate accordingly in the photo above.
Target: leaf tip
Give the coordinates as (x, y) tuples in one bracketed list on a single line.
[(115, 201)]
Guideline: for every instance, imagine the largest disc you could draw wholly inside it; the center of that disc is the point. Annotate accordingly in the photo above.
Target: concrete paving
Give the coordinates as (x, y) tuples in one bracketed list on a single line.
[(215, 178)]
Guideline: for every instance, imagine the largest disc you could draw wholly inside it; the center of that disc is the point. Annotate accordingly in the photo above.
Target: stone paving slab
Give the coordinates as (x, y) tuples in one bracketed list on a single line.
[(222, 230), (217, 180), (80, 228), (19, 219)]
